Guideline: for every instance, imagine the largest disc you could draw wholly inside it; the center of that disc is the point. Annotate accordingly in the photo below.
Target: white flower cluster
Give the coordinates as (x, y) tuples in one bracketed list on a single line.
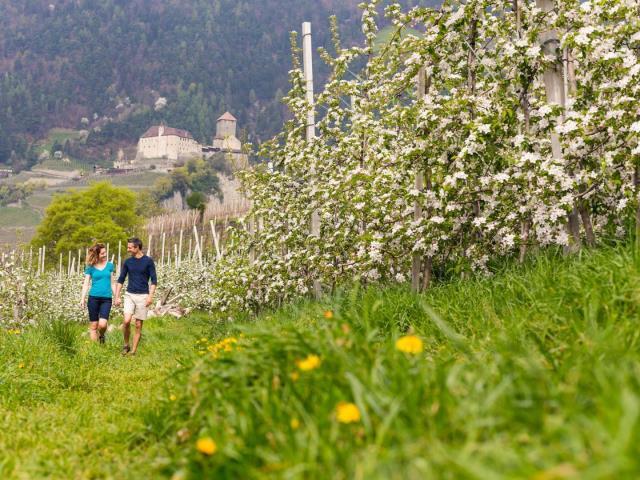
[(504, 169)]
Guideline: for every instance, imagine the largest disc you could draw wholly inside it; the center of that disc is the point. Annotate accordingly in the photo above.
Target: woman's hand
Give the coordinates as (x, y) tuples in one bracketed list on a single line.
[(83, 302)]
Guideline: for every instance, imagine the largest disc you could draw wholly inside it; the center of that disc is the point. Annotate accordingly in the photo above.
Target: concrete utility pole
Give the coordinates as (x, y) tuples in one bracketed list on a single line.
[(416, 263), (311, 125), (556, 89)]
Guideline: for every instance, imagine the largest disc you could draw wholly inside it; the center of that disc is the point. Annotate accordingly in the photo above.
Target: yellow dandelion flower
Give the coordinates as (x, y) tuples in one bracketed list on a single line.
[(328, 314), (206, 446), (409, 344), (310, 363), (203, 340), (294, 376), (172, 397), (295, 423), (347, 412), (21, 365)]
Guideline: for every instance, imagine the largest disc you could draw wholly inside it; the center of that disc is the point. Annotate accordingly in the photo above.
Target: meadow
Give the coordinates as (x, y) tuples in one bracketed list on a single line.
[(534, 373)]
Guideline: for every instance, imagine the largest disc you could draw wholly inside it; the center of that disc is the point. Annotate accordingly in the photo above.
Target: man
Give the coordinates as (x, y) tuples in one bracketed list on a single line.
[(140, 269)]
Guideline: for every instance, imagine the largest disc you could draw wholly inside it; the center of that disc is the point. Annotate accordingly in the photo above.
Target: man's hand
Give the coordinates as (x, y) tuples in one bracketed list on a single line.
[(118, 301), (149, 300), (83, 302)]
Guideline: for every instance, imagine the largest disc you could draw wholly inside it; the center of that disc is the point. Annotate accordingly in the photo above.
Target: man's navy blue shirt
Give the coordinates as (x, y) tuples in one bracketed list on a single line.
[(140, 270)]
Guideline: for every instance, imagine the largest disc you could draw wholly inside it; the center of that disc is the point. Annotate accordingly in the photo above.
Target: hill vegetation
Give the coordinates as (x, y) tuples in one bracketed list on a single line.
[(103, 65)]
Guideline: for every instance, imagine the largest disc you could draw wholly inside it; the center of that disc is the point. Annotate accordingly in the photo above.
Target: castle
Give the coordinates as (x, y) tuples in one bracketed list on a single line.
[(164, 147)]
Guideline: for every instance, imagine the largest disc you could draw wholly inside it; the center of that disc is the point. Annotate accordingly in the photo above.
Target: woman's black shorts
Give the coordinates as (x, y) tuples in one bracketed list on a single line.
[(99, 307)]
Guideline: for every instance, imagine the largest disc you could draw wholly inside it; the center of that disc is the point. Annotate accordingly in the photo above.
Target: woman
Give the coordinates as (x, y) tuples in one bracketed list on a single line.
[(100, 274)]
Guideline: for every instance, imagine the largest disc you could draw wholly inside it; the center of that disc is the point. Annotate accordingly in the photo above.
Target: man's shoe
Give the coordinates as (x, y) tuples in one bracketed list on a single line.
[(126, 349), (101, 339)]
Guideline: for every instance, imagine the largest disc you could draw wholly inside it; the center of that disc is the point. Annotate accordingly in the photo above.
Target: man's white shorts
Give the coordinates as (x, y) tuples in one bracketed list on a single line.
[(135, 304)]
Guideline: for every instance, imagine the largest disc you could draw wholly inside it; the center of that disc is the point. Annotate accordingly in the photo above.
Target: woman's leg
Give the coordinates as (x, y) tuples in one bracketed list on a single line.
[(102, 326), (93, 331)]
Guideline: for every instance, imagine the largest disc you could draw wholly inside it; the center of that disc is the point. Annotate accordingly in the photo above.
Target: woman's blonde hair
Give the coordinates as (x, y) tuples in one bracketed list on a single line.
[(93, 256)]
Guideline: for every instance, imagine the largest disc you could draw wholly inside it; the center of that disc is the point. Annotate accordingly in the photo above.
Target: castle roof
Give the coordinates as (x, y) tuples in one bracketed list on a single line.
[(168, 131), (228, 116)]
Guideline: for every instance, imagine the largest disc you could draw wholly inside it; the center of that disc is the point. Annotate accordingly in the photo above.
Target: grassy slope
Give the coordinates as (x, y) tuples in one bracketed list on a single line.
[(83, 414), (532, 374)]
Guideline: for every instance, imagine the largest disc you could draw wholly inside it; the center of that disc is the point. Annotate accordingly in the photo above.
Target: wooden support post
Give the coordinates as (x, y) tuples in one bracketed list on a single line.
[(119, 255), (162, 255), (216, 243), (180, 249)]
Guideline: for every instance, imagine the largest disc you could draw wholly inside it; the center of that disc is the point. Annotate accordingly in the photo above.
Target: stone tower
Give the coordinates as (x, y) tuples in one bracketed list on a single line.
[(226, 126)]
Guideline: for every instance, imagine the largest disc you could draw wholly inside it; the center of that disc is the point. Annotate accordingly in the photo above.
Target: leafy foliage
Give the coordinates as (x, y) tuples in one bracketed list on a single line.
[(75, 220)]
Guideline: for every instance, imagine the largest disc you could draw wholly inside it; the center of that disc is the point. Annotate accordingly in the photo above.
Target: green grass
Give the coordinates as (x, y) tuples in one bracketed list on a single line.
[(72, 409), (19, 216), (532, 374), (61, 135)]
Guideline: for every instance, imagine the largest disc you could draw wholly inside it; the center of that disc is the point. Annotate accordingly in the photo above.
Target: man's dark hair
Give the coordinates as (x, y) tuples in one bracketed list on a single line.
[(136, 241)]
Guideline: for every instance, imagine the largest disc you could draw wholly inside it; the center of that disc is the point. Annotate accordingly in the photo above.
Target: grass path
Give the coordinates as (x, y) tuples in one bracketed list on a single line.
[(71, 409)]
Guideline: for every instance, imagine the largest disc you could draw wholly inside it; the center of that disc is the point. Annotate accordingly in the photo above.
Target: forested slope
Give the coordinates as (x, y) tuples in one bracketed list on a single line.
[(109, 61)]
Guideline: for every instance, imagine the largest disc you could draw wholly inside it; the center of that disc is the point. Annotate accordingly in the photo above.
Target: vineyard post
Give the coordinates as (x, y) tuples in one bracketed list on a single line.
[(198, 249), (162, 254), (119, 254), (149, 246), (60, 269), (215, 238), (107, 250), (69, 264), (180, 248), (44, 256), (307, 55), (190, 247), (30, 257)]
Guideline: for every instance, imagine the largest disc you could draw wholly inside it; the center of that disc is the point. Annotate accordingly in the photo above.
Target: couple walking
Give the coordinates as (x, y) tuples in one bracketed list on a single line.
[(101, 277)]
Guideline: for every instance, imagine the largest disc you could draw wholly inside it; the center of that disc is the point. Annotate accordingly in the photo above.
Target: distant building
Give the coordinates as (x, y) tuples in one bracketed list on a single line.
[(225, 141), (160, 142)]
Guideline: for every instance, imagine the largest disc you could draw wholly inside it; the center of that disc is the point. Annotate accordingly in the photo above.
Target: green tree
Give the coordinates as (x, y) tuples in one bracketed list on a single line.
[(197, 201), (76, 219)]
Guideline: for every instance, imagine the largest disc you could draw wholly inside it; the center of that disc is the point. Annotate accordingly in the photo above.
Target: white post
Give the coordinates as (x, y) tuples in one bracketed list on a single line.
[(163, 240), (119, 255), (180, 249), (149, 246), (107, 251), (307, 56), (198, 248), (69, 265), (416, 263), (44, 256), (60, 268), (215, 239), (39, 259)]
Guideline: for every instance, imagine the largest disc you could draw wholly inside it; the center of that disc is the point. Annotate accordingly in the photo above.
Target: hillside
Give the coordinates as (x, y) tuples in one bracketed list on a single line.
[(102, 66), (531, 374)]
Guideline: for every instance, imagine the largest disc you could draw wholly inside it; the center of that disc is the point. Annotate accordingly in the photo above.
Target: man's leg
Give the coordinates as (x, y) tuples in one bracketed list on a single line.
[(137, 335), (126, 327), (93, 331)]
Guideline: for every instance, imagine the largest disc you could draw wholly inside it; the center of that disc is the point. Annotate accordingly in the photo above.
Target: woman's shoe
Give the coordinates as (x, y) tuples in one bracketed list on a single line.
[(126, 349)]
